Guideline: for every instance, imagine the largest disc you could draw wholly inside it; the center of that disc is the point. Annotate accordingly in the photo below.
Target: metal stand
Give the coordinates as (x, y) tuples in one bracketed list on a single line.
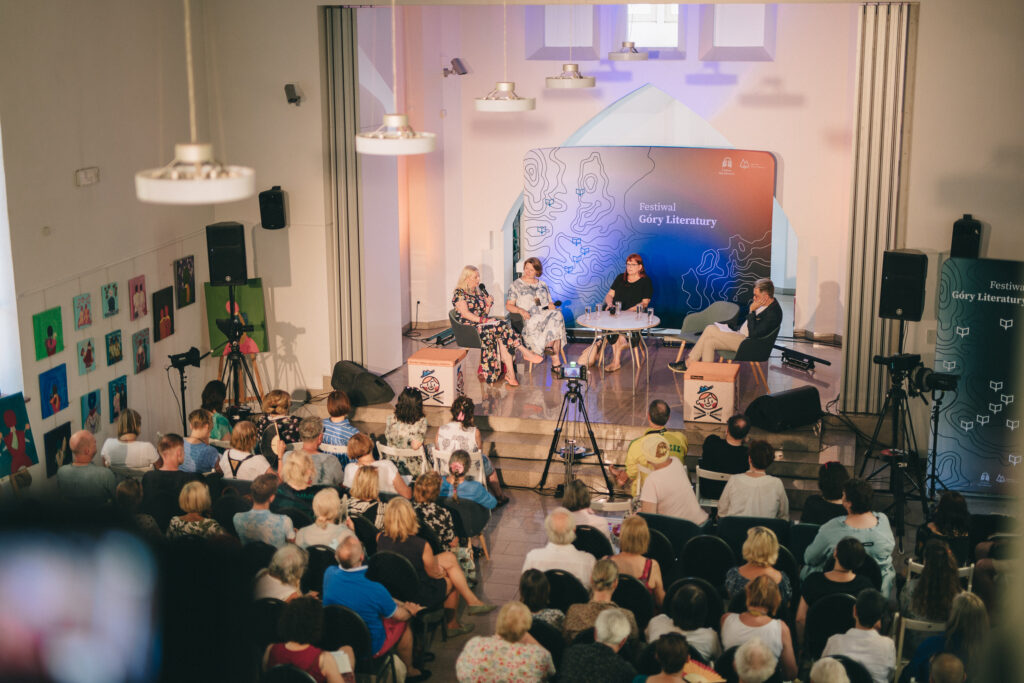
[(933, 455), (236, 362), (570, 450), (180, 361)]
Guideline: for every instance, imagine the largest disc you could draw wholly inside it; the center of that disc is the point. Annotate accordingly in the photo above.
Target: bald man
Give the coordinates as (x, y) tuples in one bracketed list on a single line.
[(82, 482)]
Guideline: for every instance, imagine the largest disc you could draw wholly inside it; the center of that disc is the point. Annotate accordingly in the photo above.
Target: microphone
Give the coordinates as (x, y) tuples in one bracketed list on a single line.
[(483, 290)]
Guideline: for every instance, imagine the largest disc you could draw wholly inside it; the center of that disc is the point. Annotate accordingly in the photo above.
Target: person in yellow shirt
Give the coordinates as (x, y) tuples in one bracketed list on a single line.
[(657, 417)]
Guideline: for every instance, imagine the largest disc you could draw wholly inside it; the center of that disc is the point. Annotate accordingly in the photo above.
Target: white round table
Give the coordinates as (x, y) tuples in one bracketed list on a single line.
[(627, 321)]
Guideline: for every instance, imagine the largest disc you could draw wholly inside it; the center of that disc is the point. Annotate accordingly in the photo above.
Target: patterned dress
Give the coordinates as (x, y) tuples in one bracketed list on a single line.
[(402, 434), (179, 527), (490, 335), (492, 659), (438, 519), (545, 325)]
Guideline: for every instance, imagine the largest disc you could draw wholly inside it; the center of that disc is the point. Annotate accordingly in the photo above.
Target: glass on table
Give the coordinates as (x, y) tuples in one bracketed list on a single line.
[(618, 307), (650, 315)]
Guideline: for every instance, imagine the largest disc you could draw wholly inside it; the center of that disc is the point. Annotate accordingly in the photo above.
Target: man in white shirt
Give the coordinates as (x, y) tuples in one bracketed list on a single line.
[(667, 489), (863, 642), (559, 553)]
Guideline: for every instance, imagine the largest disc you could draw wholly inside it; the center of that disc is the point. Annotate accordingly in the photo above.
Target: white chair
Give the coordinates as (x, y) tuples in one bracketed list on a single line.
[(414, 459), (333, 450), (476, 464), (902, 625), (710, 476), (915, 568), (220, 444)]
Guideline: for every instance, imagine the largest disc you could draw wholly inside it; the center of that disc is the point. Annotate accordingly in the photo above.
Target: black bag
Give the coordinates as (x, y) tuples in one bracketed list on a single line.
[(362, 387), (785, 409)]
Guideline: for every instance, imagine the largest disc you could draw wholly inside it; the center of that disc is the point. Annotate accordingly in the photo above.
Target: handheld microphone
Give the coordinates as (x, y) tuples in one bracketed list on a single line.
[(483, 290)]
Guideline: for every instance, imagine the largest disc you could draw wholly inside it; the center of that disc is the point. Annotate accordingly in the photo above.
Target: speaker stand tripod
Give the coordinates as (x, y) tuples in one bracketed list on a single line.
[(570, 450)]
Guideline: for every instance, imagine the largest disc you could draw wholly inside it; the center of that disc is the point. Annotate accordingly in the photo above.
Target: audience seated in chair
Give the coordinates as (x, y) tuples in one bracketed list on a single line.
[(821, 507), (194, 501), (364, 496), (300, 626), (603, 582), (276, 406), (457, 485), (437, 517), (930, 595), (688, 612), (327, 467), (577, 501), (296, 489), (950, 522), (511, 654), (200, 456), (214, 394), (407, 426), (128, 500), (672, 652), (162, 486), (966, 636), (559, 552), (636, 458), (126, 450), (360, 454), (828, 670), (599, 660), (863, 642), (755, 493), (239, 461), (325, 529), (461, 434), (634, 540), (667, 489), (754, 662), (728, 455), (761, 552), (336, 428), (535, 592), (82, 482), (281, 579), (260, 524), (849, 556), (762, 601)]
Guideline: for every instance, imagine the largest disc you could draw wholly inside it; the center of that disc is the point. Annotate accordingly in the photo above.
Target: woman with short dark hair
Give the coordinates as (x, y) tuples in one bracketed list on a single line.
[(535, 592), (819, 508), (755, 493), (300, 626), (407, 426)]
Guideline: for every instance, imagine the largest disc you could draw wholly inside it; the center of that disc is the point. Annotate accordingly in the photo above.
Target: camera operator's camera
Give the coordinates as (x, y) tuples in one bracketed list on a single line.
[(570, 371)]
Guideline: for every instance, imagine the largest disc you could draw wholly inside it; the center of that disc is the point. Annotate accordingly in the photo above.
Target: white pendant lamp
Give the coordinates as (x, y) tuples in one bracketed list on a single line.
[(194, 177), (628, 53), (571, 76), (395, 137), (504, 98)]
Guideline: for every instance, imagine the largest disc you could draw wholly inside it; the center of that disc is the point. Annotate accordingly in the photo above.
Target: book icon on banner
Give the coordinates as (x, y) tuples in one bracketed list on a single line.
[(1006, 323), (962, 331), (982, 419), (994, 385), (966, 425), (995, 407), (1013, 459), (1012, 425)]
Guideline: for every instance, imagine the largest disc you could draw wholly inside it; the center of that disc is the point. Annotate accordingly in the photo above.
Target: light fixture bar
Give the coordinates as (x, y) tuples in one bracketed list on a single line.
[(570, 78), (628, 53)]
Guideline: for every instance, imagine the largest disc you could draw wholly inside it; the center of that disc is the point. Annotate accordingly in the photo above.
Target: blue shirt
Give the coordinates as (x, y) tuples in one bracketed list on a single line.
[(263, 525), (369, 599), (470, 490), (199, 457), (338, 433)]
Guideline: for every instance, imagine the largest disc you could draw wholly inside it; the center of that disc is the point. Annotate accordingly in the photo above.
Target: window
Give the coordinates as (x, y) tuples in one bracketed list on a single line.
[(653, 25), (553, 31)]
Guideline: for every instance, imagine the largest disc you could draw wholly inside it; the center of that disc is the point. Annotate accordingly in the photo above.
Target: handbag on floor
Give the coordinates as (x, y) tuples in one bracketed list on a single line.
[(466, 562)]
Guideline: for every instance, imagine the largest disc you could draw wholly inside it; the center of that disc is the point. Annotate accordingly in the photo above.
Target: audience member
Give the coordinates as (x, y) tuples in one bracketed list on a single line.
[(239, 461), (829, 670), (299, 627), (461, 434), (604, 579), (689, 612), (438, 574), (337, 430), (282, 578), (947, 668), (458, 486), (200, 456), (385, 617), (325, 529), (966, 636), (728, 456), (328, 468), (295, 490), (849, 556), (863, 643), (930, 595), (634, 540), (761, 552), (754, 662), (511, 654), (126, 450), (276, 405), (535, 592), (128, 499), (162, 486), (81, 482), (365, 496), (755, 493), (672, 652), (194, 500), (559, 552), (407, 426), (870, 528), (360, 454), (819, 508), (439, 519), (214, 395), (667, 489), (577, 501), (657, 417), (599, 661), (950, 521), (260, 524), (763, 601)]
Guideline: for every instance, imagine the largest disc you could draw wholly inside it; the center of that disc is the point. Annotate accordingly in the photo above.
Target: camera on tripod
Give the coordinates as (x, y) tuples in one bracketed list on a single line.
[(921, 379), (570, 372)]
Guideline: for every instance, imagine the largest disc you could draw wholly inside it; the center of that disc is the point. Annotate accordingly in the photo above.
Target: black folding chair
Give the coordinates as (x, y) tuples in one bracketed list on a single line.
[(566, 589), (800, 536), (677, 530), (366, 532), (855, 671), (226, 507), (343, 626), (660, 550), (550, 638), (828, 616), (321, 557), (786, 564), (707, 557), (634, 597), (869, 569), (469, 520), (299, 518), (262, 622), (734, 530), (256, 555), (397, 574), (714, 600), (593, 541), (286, 673)]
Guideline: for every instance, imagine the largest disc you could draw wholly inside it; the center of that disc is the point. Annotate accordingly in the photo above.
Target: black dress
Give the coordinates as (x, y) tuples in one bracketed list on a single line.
[(432, 592), (817, 586)]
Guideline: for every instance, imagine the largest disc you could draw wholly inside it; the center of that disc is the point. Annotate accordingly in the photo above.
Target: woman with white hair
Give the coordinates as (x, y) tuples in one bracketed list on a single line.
[(600, 660), (498, 340), (754, 662), (511, 654), (325, 529), (829, 670), (282, 578)]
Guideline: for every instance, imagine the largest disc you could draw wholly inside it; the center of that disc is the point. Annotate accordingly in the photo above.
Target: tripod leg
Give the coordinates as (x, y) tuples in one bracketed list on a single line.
[(874, 437), (597, 450), (554, 441)]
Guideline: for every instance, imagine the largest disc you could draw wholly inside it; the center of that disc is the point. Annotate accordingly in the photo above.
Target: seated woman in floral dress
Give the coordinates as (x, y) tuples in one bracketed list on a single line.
[(499, 340), (543, 324)]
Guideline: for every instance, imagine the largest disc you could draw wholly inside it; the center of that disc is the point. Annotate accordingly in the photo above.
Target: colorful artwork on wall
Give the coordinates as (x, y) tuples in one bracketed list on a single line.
[(117, 390), (17, 447), (53, 390), (91, 411), (114, 349), (249, 309), (163, 313), (49, 333), (137, 304), (57, 449), (109, 300), (86, 356), (140, 350), (185, 280), (82, 306)]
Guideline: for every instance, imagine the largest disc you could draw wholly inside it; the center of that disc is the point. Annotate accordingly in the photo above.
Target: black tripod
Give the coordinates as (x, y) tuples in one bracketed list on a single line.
[(933, 453), (571, 451), (236, 363), (179, 361)]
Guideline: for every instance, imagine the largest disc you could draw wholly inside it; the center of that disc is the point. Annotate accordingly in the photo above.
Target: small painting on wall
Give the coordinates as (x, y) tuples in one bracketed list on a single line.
[(109, 301), (91, 411), (86, 356), (82, 306), (49, 333), (137, 305), (185, 280), (163, 313), (118, 392), (114, 350), (53, 389)]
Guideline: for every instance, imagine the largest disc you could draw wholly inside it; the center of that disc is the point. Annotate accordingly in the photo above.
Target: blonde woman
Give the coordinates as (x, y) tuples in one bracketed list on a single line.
[(499, 340), (634, 539), (276, 405), (325, 530), (511, 654), (239, 462), (194, 500), (439, 574), (604, 579), (296, 489), (761, 552), (365, 496), (126, 450)]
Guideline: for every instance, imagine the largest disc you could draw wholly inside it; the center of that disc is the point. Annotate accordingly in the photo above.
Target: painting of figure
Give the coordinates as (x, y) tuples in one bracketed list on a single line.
[(17, 447), (53, 390), (140, 350), (249, 310), (118, 392), (185, 280), (86, 356), (163, 313), (114, 351), (91, 411), (82, 306), (137, 306), (49, 333), (56, 448), (109, 302)]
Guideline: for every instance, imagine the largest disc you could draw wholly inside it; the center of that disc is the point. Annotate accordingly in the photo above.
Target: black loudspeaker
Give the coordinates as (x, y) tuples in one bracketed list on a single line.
[(785, 409), (362, 386), (272, 208), (225, 244), (902, 293), (966, 238)]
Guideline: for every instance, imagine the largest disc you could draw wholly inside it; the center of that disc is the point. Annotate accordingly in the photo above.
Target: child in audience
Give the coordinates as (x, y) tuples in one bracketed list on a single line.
[(337, 429), (200, 456), (459, 487)]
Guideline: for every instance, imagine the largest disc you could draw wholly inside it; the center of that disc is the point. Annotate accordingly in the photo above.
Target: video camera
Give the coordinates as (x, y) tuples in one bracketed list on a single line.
[(921, 379), (570, 372)]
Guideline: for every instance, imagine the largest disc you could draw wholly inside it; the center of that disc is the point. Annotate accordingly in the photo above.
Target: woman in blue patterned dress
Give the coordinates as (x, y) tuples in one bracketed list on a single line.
[(499, 340), (543, 324)]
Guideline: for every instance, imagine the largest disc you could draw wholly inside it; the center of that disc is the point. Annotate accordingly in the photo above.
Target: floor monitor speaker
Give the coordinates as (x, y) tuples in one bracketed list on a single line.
[(785, 409)]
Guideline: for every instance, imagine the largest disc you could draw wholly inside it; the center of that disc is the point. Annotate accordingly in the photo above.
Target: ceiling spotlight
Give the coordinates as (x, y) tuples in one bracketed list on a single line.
[(628, 53), (395, 136), (504, 98), (570, 78)]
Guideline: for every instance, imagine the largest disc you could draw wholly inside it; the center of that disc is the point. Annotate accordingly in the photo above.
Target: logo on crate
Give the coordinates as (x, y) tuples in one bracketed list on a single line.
[(706, 404), (430, 386)]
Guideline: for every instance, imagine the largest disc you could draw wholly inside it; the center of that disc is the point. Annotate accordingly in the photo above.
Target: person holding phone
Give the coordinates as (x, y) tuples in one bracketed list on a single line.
[(633, 290)]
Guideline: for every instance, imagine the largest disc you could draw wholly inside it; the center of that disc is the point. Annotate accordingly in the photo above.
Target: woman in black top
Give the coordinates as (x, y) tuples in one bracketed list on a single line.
[(633, 289), (818, 509), (849, 555)]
